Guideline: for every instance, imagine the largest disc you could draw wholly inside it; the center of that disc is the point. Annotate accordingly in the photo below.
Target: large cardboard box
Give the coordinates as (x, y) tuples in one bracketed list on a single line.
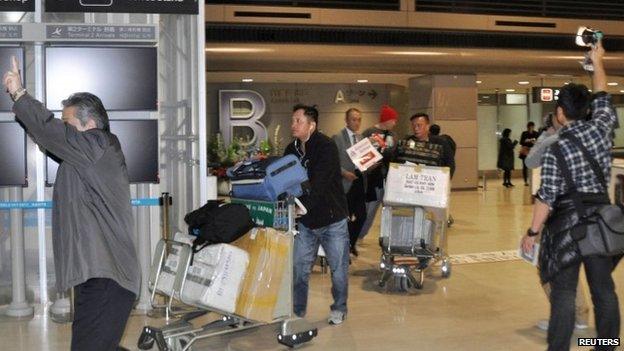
[(417, 185), (269, 251)]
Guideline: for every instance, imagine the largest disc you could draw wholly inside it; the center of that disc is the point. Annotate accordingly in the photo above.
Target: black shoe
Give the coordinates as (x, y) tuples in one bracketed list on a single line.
[(354, 251), (506, 185), (526, 184), (510, 185)]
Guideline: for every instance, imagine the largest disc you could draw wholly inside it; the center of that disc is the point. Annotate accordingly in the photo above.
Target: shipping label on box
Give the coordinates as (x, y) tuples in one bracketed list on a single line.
[(417, 185)]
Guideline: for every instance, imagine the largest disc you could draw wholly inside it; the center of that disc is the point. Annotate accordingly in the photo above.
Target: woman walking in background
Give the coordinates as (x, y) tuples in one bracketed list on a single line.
[(506, 157)]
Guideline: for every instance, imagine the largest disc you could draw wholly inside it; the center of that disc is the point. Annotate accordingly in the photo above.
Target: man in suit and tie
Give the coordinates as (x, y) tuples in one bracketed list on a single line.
[(352, 179)]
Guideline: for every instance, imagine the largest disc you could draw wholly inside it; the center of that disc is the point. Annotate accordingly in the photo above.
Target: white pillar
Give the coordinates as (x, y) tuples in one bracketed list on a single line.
[(143, 248), (19, 307)]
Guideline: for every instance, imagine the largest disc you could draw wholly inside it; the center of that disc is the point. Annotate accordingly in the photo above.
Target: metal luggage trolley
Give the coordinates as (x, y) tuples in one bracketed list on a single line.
[(412, 239), (181, 334)]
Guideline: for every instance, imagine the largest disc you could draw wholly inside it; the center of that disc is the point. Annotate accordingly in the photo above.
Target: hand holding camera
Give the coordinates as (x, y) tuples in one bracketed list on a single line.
[(589, 37)]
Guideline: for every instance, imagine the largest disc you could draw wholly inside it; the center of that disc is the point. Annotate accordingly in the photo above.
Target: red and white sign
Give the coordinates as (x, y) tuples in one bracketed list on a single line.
[(546, 94)]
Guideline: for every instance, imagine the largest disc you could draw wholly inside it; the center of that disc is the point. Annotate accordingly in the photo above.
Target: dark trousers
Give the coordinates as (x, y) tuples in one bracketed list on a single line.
[(607, 313), (506, 177), (101, 310), (356, 201), (525, 171)]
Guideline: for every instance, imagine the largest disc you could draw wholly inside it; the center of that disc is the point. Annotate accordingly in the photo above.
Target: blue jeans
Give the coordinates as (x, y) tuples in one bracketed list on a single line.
[(335, 241)]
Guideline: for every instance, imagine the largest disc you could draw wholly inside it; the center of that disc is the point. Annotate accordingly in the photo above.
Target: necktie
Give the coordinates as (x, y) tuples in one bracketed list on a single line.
[(355, 139)]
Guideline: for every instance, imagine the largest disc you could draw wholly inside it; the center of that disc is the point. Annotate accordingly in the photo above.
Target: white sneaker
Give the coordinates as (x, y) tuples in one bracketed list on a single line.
[(543, 325), (336, 317), (580, 325)]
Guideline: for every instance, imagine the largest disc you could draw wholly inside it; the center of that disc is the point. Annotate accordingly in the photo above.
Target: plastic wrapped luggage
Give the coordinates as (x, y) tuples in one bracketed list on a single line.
[(268, 179), (406, 229), (215, 278)]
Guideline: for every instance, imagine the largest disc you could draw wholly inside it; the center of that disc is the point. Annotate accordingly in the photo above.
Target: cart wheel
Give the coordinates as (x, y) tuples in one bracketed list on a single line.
[(450, 221), (404, 284), (421, 279), (446, 268)]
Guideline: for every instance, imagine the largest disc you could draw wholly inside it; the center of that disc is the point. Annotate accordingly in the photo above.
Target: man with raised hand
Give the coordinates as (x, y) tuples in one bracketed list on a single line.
[(92, 225)]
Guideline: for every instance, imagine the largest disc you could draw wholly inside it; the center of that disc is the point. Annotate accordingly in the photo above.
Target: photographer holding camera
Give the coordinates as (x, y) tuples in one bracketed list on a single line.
[(557, 208)]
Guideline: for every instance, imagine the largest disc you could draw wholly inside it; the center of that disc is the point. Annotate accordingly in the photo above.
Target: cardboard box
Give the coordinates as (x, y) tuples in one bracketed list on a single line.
[(269, 251), (417, 185)]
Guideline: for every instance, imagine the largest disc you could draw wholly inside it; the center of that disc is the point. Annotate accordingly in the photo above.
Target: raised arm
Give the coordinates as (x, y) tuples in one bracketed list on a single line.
[(599, 78)]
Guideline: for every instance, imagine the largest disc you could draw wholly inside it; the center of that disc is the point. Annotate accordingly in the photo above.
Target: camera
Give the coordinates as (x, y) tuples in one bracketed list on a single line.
[(586, 36)]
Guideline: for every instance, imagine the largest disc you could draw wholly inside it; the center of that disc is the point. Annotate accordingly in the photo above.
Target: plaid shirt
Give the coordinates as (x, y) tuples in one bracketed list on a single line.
[(597, 136)]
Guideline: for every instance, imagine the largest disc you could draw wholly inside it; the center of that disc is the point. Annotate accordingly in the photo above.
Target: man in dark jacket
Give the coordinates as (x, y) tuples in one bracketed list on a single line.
[(352, 179), (93, 241), (424, 148), (326, 220), (559, 258)]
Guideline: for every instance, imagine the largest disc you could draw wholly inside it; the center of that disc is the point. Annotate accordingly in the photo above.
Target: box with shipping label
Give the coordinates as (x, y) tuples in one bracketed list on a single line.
[(417, 185)]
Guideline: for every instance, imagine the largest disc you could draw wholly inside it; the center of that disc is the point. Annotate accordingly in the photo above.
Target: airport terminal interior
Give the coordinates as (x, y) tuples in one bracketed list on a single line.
[(228, 72)]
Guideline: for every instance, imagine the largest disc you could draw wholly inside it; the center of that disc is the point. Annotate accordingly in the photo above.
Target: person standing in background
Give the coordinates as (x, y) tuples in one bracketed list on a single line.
[(506, 157), (352, 179), (527, 140), (384, 138)]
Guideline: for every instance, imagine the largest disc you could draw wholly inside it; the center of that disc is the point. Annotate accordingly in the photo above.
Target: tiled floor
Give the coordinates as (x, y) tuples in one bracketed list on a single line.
[(482, 306)]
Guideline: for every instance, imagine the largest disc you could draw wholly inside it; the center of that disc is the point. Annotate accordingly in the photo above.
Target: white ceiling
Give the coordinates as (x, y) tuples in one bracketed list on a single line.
[(496, 69)]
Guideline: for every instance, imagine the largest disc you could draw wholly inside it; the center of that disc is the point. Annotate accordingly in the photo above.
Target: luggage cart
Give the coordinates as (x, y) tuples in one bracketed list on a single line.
[(412, 239), (181, 334)]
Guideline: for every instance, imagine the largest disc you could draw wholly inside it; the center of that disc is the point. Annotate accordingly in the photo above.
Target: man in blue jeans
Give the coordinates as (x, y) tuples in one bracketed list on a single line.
[(326, 220)]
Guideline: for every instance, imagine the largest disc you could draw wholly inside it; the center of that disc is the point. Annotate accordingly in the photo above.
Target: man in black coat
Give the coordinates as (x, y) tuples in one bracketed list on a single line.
[(326, 220)]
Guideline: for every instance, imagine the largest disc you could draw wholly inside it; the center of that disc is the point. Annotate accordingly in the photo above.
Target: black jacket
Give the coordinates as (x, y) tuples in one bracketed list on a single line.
[(558, 249), (506, 154), (437, 151), (326, 203)]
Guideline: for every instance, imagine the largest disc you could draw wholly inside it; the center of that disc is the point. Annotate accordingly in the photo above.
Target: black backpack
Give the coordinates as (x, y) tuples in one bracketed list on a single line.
[(217, 223)]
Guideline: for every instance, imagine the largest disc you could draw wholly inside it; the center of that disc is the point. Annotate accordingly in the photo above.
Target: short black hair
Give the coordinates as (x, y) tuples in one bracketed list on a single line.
[(530, 124), (418, 115), (309, 111), (506, 132), (574, 100), (434, 129)]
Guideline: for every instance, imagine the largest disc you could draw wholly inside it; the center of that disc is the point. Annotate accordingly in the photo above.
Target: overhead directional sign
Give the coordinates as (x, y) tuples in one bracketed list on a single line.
[(124, 6), (17, 5)]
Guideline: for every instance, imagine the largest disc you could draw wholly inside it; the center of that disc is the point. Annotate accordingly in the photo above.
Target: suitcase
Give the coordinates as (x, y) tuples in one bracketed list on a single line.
[(401, 232), (269, 179)]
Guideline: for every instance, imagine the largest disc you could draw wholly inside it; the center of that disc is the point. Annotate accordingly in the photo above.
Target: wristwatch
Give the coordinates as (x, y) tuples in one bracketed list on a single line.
[(530, 232), (18, 94)]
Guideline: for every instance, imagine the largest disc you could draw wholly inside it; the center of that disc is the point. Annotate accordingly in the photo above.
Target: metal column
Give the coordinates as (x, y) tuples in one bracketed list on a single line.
[(19, 307), (143, 248)]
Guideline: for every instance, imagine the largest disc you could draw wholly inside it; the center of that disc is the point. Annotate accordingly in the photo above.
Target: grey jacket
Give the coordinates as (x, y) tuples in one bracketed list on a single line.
[(343, 143), (92, 234), (534, 158)]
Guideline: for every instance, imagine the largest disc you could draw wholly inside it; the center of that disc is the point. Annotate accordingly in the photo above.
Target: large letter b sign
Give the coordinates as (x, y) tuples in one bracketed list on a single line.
[(239, 115)]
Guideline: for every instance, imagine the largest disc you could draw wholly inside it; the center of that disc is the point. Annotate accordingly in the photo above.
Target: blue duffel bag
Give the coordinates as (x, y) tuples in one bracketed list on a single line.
[(270, 179)]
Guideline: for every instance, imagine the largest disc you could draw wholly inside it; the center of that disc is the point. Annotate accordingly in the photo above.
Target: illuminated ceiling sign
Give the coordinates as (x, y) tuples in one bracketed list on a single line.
[(543, 94)]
